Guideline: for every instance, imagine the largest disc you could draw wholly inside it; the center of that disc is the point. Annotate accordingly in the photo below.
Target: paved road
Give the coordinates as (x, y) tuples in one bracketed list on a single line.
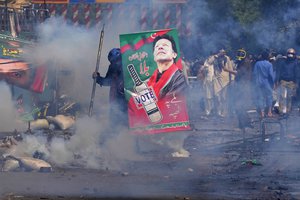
[(221, 166)]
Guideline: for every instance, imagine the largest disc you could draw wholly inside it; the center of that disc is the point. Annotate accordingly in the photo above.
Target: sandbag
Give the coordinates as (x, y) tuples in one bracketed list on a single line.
[(10, 165), (40, 124), (61, 121), (34, 164)]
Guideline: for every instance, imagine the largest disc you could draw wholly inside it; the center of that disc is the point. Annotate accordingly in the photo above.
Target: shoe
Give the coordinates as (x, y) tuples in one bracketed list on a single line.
[(182, 153), (207, 113)]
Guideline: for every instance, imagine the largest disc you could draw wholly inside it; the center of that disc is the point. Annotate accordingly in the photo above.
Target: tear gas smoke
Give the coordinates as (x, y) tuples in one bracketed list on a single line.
[(8, 112), (209, 33), (29, 145), (83, 149), (66, 48), (85, 143), (69, 51), (63, 47)]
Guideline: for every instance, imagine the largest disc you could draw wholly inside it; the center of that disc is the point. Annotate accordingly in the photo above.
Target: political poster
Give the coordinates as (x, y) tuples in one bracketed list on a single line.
[(154, 84), (17, 72)]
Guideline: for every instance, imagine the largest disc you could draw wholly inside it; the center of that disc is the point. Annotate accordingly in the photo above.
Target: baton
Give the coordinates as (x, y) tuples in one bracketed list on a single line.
[(96, 70)]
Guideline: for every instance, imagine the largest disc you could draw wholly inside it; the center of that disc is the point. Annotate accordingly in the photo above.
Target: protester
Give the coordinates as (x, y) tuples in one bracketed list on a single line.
[(264, 79), (286, 77), (114, 79), (242, 89), (206, 74), (223, 72)]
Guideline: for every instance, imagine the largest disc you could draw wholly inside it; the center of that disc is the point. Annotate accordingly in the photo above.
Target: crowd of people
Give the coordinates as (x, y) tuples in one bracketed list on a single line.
[(232, 85), (268, 82)]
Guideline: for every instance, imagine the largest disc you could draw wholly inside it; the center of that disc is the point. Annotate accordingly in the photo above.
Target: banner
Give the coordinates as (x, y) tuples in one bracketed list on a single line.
[(156, 96), (11, 47), (21, 74), (17, 72)]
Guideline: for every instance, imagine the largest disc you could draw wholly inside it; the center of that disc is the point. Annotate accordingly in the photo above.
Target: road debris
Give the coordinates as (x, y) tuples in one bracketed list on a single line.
[(190, 170), (26, 163), (39, 124), (61, 121), (125, 173), (182, 153), (10, 165), (8, 141), (251, 162)]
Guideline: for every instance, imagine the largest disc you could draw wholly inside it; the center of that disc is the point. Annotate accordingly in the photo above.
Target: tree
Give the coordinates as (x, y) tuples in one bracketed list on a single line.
[(246, 12)]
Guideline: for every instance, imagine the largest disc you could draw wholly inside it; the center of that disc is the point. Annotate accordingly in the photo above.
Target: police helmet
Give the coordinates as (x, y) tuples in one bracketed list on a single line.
[(114, 55)]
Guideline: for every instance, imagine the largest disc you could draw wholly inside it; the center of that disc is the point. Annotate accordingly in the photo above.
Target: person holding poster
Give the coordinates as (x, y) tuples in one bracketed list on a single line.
[(154, 82), (114, 79)]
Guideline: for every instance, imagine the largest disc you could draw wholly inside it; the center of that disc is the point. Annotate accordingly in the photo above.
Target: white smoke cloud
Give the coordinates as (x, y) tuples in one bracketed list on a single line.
[(84, 149), (30, 144), (63, 47), (8, 114), (86, 141), (208, 33)]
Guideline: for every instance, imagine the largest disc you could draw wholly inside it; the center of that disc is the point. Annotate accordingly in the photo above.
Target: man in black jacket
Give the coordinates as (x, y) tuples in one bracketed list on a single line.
[(114, 79), (286, 78)]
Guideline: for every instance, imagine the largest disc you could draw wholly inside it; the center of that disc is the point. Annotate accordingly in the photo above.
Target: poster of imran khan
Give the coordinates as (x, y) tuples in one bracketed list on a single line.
[(155, 86)]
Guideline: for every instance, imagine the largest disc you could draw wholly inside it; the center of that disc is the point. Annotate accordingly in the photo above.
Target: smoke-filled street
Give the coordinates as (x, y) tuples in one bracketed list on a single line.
[(149, 99), (222, 165)]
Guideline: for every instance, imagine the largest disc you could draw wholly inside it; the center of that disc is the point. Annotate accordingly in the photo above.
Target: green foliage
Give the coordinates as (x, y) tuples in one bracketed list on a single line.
[(246, 12), (241, 22)]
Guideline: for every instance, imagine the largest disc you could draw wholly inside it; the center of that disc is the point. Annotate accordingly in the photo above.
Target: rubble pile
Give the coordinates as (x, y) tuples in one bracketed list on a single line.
[(60, 126)]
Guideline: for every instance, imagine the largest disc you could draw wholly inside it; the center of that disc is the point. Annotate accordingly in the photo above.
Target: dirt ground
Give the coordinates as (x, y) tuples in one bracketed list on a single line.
[(224, 164)]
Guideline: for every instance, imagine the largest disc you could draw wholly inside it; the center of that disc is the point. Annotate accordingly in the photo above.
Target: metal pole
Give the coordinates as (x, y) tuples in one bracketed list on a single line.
[(96, 70)]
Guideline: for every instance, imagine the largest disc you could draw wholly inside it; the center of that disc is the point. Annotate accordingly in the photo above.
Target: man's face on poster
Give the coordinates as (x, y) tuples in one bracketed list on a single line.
[(163, 51), (15, 73)]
